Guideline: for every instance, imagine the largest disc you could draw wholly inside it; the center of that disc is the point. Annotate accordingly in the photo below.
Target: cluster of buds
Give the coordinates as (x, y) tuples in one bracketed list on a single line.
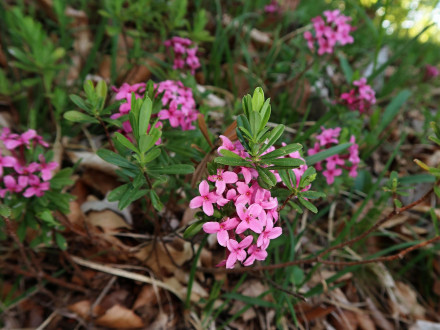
[(17, 174), (248, 209), (179, 106), (185, 53), (334, 30), (360, 98), (334, 164)]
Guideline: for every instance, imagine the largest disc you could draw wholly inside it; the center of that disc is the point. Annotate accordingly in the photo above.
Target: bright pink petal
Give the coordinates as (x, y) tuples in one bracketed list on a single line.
[(211, 227), (208, 208), (204, 188), (196, 202)]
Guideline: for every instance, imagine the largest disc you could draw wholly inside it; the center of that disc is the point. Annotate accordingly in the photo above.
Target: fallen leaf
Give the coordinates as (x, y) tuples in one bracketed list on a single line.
[(119, 317), (109, 221)]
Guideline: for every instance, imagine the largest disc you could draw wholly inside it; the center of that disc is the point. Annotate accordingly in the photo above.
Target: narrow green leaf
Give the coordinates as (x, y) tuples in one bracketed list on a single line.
[(171, 169), (80, 103), (265, 114), (152, 155), (283, 151), (126, 142), (115, 159), (230, 154), (257, 99), (267, 176), (193, 229), (255, 120), (320, 156), (285, 162), (312, 194), (117, 193), (61, 241), (274, 135), (144, 115), (155, 200), (307, 204), (79, 117), (232, 161)]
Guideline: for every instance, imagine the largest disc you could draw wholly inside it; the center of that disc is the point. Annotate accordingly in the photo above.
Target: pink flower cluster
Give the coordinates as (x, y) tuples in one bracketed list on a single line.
[(335, 164), (431, 71), (254, 210), (183, 54), (272, 8), (16, 174), (178, 101), (334, 30), (360, 98)]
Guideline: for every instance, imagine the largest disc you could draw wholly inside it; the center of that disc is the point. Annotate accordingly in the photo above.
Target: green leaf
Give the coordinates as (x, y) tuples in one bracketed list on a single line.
[(157, 204), (247, 106), (232, 161), (145, 142), (117, 193), (80, 103), (115, 159), (255, 120), (392, 110), (101, 89), (285, 178), (320, 156), (346, 68), (144, 115), (265, 114), (61, 241), (193, 229), (126, 142), (312, 194), (48, 218), (257, 99), (274, 135), (152, 155), (79, 117), (61, 179), (229, 154), (171, 169), (5, 211), (285, 162), (296, 207), (283, 151), (131, 196), (267, 176), (307, 204)]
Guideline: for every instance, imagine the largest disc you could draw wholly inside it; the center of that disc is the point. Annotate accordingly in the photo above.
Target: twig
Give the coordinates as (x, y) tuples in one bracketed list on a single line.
[(107, 134)]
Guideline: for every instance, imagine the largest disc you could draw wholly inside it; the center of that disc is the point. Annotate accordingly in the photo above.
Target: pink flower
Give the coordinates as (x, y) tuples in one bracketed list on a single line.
[(12, 185), (249, 218), (15, 140), (431, 71), (221, 229), (328, 136), (272, 8), (245, 193), (255, 253), (222, 178), (46, 168), (330, 174), (206, 199), (237, 251), (36, 188), (361, 98), (6, 161), (328, 34), (124, 92), (269, 233)]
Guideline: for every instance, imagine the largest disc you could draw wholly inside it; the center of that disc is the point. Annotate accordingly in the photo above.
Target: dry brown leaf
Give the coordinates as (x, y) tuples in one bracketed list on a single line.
[(147, 297), (365, 322), (159, 259), (82, 309), (425, 325), (344, 320), (109, 221), (119, 317), (406, 304)]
